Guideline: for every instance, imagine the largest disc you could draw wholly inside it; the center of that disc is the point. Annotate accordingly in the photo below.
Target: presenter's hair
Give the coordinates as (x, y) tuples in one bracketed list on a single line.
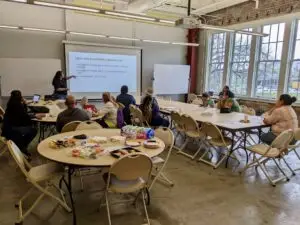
[(57, 76)]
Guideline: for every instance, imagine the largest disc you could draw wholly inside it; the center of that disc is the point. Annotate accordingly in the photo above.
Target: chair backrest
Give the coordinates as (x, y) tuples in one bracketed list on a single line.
[(297, 134), (191, 97), (132, 167), (18, 156), (120, 105), (282, 141), (89, 125), (177, 120), (197, 101), (138, 118), (166, 135), (70, 126), (212, 131), (2, 112), (190, 125)]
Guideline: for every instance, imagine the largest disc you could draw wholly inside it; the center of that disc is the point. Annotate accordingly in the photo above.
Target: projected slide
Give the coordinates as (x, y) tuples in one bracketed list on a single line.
[(97, 72)]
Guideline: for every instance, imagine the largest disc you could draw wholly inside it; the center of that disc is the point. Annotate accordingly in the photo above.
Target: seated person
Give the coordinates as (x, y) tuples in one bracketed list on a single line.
[(126, 100), (151, 113), (149, 92), (17, 124), (229, 103), (282, 117), (71, 114), (90, 109), (109, 111), (226, 93), (207, 101)]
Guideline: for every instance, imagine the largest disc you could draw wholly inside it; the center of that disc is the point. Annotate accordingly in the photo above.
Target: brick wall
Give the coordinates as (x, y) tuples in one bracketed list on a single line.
[(246, 12)]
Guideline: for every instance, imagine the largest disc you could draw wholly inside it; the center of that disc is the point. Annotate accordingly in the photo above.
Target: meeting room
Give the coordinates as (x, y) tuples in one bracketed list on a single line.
[(157, 112)]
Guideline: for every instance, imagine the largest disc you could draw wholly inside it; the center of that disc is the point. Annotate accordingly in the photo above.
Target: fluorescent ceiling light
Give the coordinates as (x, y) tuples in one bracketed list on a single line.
[(65, 6), (124, 38), (9, 27), (87, 34), (44, 30), (22, 1), (185, 44), (129, 16), (161, 42), (167, 21)]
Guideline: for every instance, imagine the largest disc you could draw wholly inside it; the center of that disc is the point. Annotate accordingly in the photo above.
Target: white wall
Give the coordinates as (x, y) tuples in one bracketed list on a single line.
[(27, 44)]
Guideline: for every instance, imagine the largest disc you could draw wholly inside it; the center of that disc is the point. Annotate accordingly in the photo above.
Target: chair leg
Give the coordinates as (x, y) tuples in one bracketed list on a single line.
[(288, 166), (171, 183), (296, 153), (145, 207), (281, 170), (261, 166), (81, 181), (107, 207)]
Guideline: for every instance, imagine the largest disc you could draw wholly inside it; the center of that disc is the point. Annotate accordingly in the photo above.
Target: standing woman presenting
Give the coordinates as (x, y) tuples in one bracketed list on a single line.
[(59, 83)]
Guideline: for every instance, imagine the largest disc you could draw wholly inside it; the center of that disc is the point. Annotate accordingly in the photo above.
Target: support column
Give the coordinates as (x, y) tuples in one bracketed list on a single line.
[(192, 58)]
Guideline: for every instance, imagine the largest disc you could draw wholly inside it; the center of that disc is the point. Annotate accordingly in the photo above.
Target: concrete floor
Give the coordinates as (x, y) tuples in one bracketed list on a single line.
[(201, 195)]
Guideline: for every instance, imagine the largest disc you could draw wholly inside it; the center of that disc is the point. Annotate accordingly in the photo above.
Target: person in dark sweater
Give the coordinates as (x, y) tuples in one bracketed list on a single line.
[(17, 124), (126, 100), (59, 83), (70, 114), (151, 113)]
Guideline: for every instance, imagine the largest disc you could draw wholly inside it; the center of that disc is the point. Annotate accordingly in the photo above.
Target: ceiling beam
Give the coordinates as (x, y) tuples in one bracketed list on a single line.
[(217, 6)]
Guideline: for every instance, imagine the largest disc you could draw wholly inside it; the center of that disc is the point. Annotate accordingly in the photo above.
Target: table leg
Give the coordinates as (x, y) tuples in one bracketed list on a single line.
[(231, 149), (69, 187), (259, 135), (245, 140)]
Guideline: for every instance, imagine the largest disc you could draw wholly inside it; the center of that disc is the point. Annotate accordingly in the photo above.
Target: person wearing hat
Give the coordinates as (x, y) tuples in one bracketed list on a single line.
[(149, 92)]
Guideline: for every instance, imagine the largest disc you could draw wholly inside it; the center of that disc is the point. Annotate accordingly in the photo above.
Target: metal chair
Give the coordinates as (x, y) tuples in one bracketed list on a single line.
[(37, 176), (3, 146), (276, 150), (88, 125), (166, 135), (139, 119), (215, 139), (129, 174), (192, 132), (191, 97), (293, 148), (177, 124), (70, 126)]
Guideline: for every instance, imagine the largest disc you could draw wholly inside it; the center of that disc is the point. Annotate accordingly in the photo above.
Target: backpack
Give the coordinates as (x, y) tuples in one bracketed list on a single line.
[(120, 118)]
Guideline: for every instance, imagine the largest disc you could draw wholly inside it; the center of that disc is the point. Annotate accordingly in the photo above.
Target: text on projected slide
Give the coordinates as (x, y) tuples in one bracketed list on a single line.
[(98, 72)]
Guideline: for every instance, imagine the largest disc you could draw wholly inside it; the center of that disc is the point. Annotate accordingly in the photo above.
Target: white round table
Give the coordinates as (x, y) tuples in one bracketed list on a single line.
[(61, 156)]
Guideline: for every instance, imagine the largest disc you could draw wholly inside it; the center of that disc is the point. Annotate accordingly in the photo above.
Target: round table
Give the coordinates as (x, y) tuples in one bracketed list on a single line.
[(61, 156)]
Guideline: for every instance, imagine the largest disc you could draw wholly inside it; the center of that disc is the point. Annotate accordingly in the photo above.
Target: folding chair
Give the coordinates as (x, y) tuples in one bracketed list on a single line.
[(138, 118), (70, 126), (88, 125), (3, 146), (166, 135), (177, 124), (192, 132), (129, 174), (276, 150), (293, 148), (215, 139), (36, 176)]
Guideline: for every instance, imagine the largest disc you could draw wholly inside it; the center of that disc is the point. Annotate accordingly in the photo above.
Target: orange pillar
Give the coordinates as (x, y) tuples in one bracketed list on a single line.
[(192, 58)]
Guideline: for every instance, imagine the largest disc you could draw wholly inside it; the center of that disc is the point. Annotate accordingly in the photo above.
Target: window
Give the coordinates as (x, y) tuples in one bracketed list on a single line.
[(294, 76), (268, 66), (239, 64), (216, 62)]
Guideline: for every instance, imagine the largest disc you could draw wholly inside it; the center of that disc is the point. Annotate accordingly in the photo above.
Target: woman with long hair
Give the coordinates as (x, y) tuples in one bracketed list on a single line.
[(282, 117), (150, 110), (108, 111), (17, 125), (59, 83)]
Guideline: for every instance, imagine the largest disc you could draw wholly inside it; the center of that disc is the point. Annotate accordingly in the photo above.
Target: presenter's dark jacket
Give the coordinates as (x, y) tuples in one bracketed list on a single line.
[(57, 83)]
